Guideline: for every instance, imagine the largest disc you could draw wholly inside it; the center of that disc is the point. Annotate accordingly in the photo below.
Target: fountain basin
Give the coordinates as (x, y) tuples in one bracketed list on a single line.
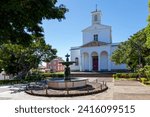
[(58, 83)]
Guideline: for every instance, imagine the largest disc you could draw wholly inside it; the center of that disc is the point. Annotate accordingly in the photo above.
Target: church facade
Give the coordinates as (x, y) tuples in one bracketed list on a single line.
[(97, 48)]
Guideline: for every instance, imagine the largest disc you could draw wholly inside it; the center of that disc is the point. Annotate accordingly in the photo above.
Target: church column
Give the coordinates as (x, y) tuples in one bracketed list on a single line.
[(99, 62), (81, 62), (90, 62)]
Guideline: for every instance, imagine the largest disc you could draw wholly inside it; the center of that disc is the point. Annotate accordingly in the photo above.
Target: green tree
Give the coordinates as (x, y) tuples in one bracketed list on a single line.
[(133, 52), (18, 60), (147, 30), (22, 44), (21, 18), (149, 11)]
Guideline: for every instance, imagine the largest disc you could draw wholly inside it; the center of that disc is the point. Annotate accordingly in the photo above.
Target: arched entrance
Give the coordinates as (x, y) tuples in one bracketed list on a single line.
[(104, 61), (94, 61)]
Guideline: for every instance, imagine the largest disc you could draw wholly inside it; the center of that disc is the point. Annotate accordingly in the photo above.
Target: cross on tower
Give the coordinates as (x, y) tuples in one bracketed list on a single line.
[(96, 7)]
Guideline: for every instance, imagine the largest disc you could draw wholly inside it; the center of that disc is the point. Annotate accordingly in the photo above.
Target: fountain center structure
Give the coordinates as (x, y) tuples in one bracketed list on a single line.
[(67, 68), (67, 82)]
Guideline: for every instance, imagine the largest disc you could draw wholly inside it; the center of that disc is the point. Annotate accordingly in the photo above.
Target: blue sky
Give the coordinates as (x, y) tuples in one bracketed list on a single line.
[(125, 16)]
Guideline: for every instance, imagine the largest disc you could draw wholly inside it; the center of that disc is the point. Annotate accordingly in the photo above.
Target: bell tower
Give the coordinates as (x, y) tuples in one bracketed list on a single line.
[(96, 17)]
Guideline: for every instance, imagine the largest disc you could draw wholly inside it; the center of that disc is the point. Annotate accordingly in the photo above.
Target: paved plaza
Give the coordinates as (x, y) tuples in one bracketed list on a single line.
[(118, 90)]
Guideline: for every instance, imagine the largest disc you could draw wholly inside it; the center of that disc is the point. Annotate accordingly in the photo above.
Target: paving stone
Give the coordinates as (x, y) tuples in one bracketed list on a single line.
[(118, 90)]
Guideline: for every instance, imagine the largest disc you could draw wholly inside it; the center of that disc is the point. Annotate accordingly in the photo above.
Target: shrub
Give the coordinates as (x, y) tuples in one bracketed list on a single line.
[(4, 82), (34, 77), (133, 75), (147, 82), (53, 74), (124, 75), (127, 75), (145, 72), (118, 75), (114, 75), (46, 74), (143, 80), (121, 75)]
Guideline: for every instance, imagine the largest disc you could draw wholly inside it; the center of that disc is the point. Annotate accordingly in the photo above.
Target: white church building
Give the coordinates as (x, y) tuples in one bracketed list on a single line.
[(97, 48)]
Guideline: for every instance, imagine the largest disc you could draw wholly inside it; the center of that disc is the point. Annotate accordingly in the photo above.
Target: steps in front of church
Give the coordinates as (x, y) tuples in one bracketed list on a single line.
[(92, 74)]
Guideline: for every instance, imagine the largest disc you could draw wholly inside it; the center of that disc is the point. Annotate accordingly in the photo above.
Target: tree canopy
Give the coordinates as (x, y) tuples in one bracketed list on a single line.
[(147, 30), (18, 60), (149, 11), (21, 18), (22, 44), (133, 52)]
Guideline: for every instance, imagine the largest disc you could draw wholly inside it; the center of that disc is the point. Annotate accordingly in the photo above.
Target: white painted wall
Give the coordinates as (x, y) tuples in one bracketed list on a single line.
[(98, 50), (113, 65), (75, 52), (3, 76), (104, 33), (98, 14), (104, 61), (86, 62), (118, 67)]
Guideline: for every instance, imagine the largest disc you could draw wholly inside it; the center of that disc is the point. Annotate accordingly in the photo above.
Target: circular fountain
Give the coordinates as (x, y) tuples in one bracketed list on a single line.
[(67, 82), (67, 86)]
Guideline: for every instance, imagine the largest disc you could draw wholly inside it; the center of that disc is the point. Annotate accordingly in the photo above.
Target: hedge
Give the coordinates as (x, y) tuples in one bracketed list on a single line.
[(3, 82), (32, 78), (53, 74), (35, 77), (125, 75)]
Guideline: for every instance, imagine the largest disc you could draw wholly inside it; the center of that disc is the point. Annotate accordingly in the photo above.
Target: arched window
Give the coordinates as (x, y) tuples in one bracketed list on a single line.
[(95, 18), (77, 61)]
